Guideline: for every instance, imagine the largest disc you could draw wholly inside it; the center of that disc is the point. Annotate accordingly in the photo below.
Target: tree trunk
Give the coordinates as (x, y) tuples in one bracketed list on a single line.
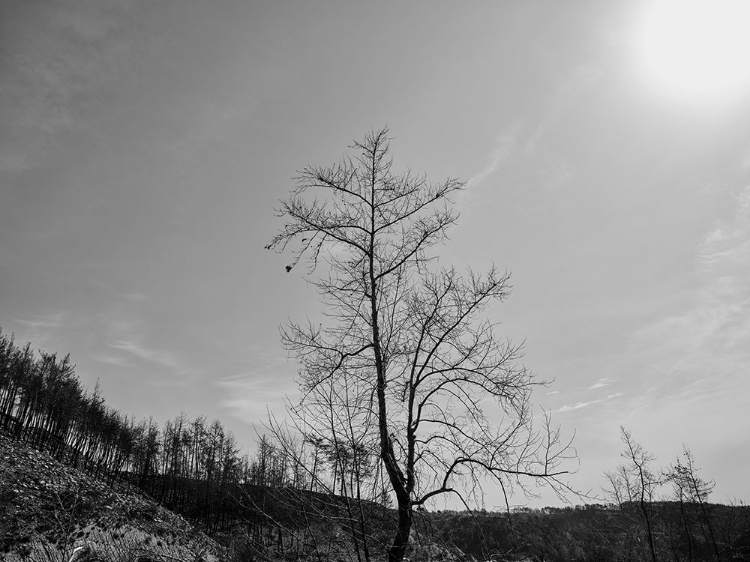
[(644, 509), (401, 540)]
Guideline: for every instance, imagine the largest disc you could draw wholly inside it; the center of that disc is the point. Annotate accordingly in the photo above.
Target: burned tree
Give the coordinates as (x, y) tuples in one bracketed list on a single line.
[(407, 364)]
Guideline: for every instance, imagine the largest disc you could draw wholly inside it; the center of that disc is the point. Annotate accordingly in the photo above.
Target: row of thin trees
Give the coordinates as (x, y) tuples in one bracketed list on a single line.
[(665, 512), (192, 466)]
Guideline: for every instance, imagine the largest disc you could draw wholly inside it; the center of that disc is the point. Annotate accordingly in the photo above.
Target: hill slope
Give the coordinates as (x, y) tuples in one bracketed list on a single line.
[(48, 510)]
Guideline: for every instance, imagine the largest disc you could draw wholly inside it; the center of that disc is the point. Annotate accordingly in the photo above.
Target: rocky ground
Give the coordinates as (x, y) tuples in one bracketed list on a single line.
[(49, 511)]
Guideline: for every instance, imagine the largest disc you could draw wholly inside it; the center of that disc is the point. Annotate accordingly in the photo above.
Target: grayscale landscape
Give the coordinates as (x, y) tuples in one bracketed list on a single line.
[(420, 281)]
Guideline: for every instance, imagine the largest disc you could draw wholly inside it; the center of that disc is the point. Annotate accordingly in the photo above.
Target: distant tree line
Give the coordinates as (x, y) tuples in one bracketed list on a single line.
[(192, 466), (591, 533), (651, 515)]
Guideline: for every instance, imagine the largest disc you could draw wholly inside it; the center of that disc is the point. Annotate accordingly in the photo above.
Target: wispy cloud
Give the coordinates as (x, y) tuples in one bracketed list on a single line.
[(261, 382), (579, 405), (519, 141), (41, 328), (726, 247), (43, 321), (134, 296), (249, 396), (499, 157), (115, 360), (704, 350), (601, 383), (505, 145), (745, 164), (159, 357), (579, 80)]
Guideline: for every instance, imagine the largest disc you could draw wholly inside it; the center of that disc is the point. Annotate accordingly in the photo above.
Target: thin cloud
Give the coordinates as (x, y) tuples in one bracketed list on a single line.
[(579, 405), (40, 329), (134, 296), (157, 357), (43, 321), (510, 143), (499, 157), (505, 145), (112, 360), (601, 383), (745, 164), (579, 80), (251, 395), (704, 350), (726, 247)]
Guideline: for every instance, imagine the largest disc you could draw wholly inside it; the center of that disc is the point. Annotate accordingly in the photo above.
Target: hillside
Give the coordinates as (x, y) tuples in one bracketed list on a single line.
[(48, 509)]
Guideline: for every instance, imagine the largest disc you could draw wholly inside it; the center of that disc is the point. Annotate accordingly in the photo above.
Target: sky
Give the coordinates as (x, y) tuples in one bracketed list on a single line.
[(144, 146)]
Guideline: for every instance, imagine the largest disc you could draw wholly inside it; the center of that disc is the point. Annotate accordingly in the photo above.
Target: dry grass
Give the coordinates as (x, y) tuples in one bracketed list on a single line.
[(122, 545)]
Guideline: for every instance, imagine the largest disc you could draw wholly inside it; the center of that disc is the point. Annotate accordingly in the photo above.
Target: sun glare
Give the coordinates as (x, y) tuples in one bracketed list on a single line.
[(697, 49)]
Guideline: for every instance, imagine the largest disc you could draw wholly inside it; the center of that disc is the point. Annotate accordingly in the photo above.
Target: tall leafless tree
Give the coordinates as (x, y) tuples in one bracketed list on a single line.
[(406, 359), (636, 483), (691, 490)]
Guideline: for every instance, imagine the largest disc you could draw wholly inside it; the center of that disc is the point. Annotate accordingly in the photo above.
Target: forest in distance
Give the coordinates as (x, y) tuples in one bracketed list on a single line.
[(282, 507)]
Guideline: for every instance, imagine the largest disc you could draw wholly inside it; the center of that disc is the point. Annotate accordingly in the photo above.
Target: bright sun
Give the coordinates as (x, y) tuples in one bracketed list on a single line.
[(697, 49)]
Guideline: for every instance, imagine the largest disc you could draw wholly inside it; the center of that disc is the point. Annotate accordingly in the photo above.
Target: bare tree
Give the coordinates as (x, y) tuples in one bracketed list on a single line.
[(407, 361), (635, 483), (691, 490)]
